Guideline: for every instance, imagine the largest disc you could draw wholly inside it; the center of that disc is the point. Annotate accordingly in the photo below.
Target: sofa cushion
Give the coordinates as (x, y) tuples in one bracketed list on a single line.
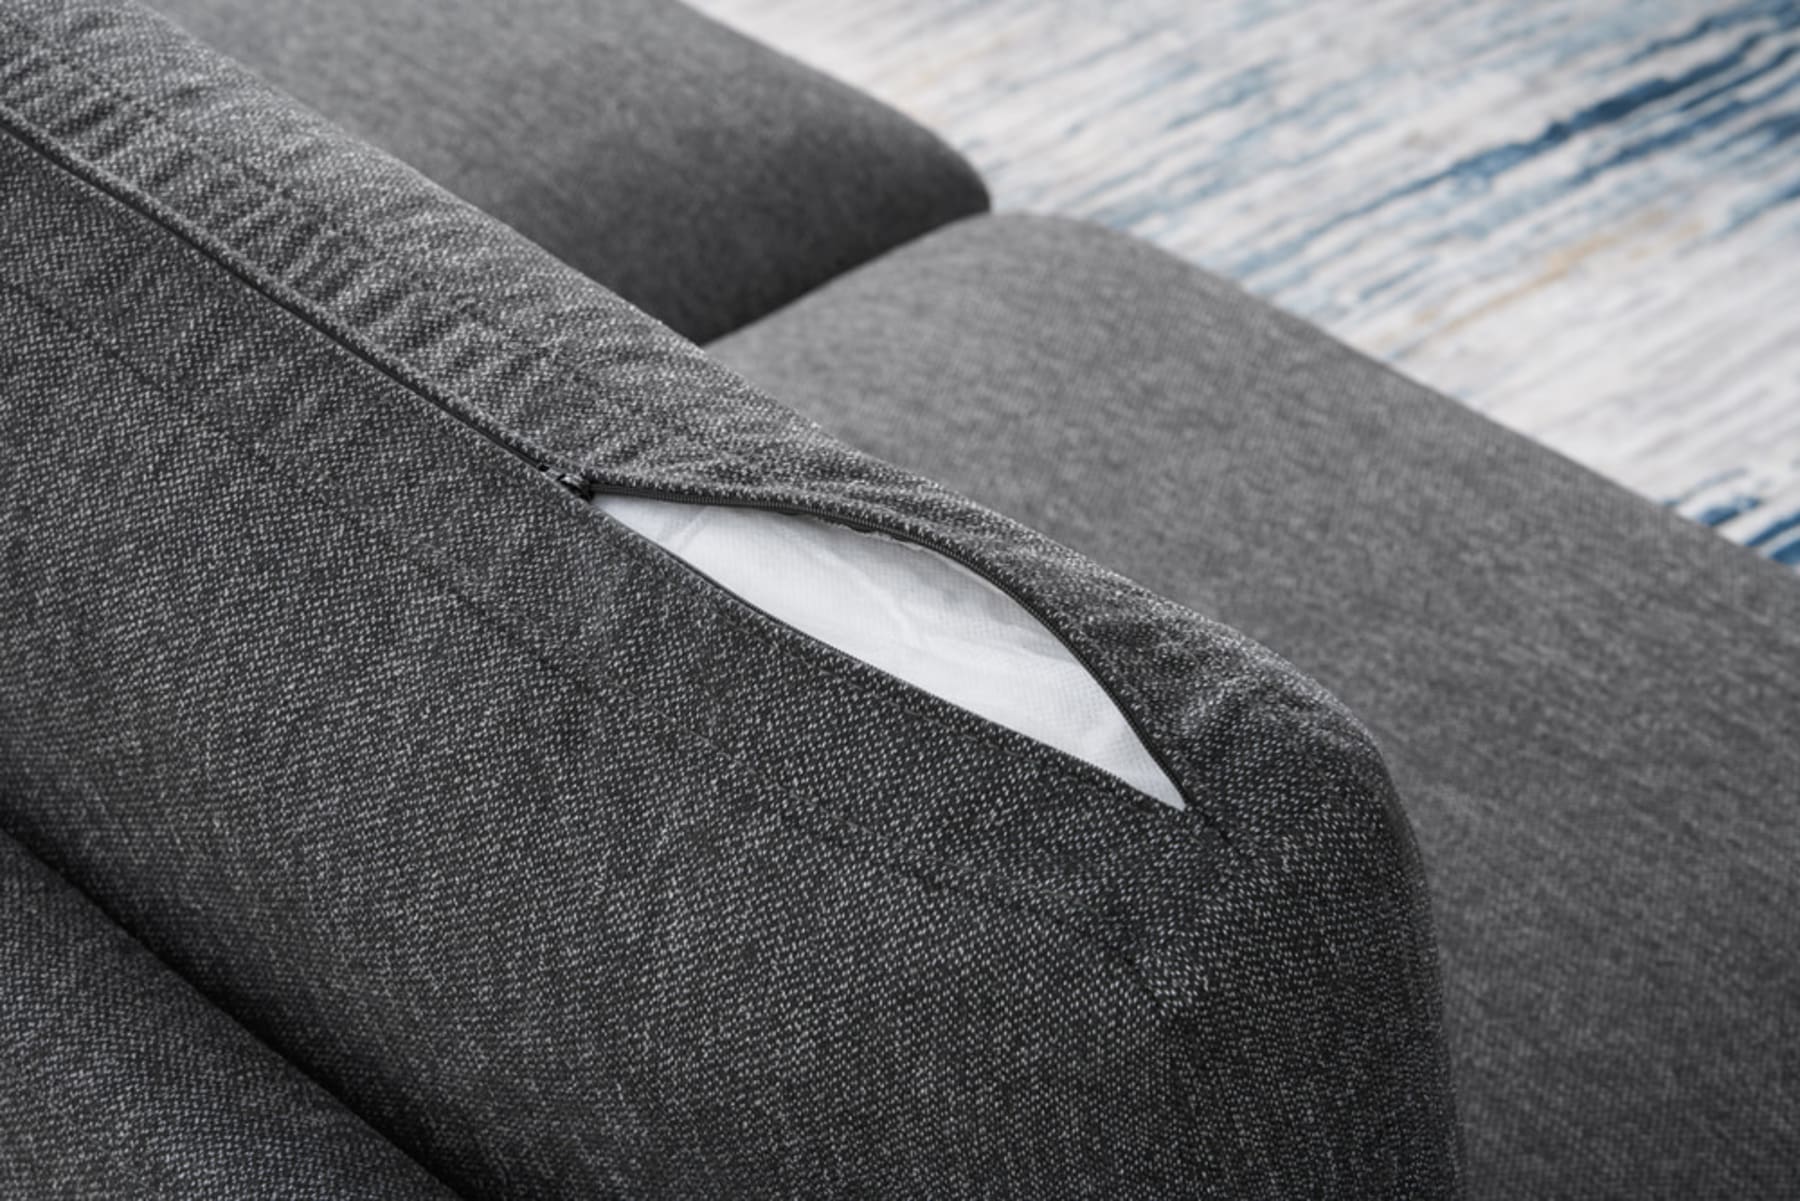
[(568, 870), (1587, 702), (703, 177), (117, 1079)]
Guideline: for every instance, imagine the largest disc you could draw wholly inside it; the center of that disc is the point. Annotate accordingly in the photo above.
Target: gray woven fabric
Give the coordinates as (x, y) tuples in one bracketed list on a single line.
[(1587, 702), (569, 872), (698, 174), (119, 1080)]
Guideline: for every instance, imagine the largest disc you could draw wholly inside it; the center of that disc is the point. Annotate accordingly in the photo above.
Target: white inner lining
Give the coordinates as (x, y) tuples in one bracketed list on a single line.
[(911, 612)]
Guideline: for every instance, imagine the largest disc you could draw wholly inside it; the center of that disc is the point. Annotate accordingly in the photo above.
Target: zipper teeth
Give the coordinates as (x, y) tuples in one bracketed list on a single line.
[(587, 488)]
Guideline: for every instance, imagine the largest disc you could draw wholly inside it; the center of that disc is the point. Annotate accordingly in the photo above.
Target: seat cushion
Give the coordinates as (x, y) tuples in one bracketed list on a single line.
[(1587, 702), (117, 1079), (703, 177), (571, 872)]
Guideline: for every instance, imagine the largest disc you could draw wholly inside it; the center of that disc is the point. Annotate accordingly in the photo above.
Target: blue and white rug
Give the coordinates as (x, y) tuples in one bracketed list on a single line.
[(1582, 219)]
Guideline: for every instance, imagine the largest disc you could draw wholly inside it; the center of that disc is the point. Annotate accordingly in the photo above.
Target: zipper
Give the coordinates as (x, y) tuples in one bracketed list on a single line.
[(566, 479), (587, 489)]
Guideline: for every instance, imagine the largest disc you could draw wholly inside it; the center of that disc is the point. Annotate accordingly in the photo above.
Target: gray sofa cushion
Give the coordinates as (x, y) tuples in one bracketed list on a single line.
[(570, 872), (701, 176), (117, 1079), (1587, 702)]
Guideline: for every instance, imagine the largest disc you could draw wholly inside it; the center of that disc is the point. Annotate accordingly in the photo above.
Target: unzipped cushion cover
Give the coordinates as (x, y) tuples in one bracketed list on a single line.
[(564, 869)]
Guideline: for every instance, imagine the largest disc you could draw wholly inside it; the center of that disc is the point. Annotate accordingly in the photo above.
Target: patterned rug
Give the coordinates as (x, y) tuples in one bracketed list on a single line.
[(1582, 219)]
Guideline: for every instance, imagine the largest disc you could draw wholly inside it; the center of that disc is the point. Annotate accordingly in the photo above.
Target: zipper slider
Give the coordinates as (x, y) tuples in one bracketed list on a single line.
[(574, 483)]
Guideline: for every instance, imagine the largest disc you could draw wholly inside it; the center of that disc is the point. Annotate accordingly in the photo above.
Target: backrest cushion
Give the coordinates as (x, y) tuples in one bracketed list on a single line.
[(567, 870)]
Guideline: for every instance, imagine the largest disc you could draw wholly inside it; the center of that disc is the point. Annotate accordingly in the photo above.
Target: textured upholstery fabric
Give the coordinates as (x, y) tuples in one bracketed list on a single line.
[(569, 873), (1588, 704), (118, 1080), (698, 174)]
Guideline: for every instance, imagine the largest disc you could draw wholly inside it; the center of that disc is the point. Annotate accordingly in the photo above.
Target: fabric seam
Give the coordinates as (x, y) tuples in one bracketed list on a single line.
[(434, 289)]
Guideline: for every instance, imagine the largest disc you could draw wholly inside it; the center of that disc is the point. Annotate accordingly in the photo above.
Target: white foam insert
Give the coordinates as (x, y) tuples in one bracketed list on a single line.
[(911, 612)]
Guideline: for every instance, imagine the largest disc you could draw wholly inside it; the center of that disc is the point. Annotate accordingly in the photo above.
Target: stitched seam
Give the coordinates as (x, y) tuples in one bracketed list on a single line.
[(431, 290), (1176, 1016), (947, 873), (328, 319)]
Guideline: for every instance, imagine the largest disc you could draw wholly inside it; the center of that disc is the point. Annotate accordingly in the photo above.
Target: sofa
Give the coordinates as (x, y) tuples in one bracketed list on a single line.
[(393, 804)]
